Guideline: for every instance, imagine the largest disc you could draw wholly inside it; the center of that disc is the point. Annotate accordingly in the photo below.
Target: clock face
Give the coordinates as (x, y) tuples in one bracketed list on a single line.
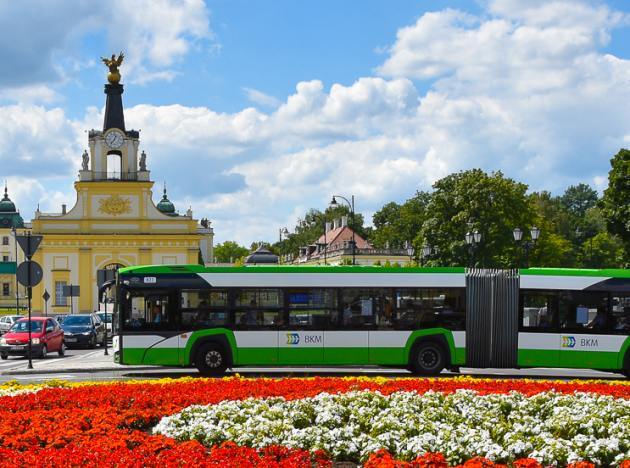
[(114, 139)]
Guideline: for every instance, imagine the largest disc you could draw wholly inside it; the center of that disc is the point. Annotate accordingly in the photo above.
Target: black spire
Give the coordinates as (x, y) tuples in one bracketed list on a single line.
[(114, 115)]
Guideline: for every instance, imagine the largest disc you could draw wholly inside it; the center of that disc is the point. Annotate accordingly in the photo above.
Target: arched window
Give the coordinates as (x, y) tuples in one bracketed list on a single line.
[(114, 165)]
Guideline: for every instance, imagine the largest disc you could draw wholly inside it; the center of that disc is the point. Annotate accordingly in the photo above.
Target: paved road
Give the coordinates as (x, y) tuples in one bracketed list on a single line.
[(81, 365)]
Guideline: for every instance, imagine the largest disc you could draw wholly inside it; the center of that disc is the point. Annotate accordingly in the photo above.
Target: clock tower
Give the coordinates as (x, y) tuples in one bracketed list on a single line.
[(114, 221)]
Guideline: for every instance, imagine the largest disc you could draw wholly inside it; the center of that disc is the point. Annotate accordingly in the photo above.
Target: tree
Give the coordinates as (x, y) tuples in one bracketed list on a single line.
[(229, 252), (579, 198), (397, 224), (474, 200), (615, 203)]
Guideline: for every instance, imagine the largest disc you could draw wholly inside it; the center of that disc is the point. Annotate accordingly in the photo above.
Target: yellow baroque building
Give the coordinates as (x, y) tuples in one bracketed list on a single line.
[(114, 221)]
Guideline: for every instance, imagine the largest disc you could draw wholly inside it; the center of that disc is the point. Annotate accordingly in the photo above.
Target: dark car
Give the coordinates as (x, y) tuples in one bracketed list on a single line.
[(83, 330), (46, 336)]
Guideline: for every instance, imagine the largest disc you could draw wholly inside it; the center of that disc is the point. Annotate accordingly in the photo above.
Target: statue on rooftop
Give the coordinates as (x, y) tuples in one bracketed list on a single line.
[(86, 160), (113, 63)]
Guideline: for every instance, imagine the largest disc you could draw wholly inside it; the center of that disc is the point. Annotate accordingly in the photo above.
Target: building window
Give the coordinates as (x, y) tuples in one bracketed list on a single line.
[(60, 299), (5, 289), (5, 240), (5, 258)]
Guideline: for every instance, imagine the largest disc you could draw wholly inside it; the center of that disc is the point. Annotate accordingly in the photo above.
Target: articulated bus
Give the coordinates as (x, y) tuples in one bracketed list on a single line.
[(422, 319)]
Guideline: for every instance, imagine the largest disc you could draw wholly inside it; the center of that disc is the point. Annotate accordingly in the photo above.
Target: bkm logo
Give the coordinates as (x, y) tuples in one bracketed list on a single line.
[(568, 342), (293, 338)]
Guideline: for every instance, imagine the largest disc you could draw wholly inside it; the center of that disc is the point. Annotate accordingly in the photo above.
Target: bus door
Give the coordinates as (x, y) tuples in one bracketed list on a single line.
[(538, 338), (587, 335), (151, 335), (257, 316), (309, 313)]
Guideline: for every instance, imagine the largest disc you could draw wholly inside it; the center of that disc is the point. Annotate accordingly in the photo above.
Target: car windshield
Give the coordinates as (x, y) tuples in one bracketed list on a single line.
[(77, 320), (101, 315), (20, 327)]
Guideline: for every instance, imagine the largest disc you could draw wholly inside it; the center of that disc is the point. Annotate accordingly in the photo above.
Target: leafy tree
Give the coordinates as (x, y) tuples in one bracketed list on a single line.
[(602, 251), (615, 203), (396, 224), (579, 198), (229, 252), (474, 200)]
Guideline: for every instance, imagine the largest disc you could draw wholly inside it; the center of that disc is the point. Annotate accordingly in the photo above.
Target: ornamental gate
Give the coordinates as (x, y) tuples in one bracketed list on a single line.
[(492, 317)]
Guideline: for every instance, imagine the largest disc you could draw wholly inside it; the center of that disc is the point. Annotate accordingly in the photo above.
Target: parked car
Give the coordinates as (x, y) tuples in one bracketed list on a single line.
[(107, 320), (60, 317), (7, 321), (46, 337), (83, 330)]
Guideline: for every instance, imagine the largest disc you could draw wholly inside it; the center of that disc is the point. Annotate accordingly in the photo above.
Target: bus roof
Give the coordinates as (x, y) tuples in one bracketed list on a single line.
[(297, 269)]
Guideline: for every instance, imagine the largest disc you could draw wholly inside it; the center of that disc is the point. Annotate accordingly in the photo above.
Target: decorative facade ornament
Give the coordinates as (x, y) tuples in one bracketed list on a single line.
[(86, 160), (143, 161), (114, 75), (114, 205)]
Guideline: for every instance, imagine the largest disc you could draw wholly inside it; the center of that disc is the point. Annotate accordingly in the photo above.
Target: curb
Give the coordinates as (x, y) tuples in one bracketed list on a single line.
[(77, 370)]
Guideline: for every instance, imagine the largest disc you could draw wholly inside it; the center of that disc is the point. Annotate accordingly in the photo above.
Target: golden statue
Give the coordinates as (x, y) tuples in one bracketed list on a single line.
[(113, 63)]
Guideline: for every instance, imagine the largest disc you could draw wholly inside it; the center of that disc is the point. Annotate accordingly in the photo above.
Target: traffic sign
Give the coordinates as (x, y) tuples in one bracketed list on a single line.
[(29, 273), (29, 244), (46, 296)]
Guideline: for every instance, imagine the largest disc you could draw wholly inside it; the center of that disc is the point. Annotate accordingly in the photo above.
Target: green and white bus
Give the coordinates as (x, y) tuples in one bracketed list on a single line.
[(422, 319)]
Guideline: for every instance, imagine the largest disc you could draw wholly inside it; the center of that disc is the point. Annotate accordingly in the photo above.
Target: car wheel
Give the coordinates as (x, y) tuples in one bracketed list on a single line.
[(4, 357), (427, 358), (44, 352), (62, 349), (211, 359)]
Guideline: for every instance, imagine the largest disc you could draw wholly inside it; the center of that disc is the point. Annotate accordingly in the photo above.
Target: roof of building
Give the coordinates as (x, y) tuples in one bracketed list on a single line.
[(261, 255), (343, 234), (165, 205), (6, 205)]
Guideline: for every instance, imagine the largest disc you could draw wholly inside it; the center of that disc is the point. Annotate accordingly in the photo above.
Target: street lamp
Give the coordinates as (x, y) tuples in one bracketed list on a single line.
[(473, 238), (410, 250), (17, 285), (283, 233), (333, 204), (534, 232)]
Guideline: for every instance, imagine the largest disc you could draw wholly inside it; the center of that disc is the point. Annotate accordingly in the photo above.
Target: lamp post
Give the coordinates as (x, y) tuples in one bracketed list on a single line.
[(282, 233), (472, 238), (333, 204), (410, 250), (534, 232)]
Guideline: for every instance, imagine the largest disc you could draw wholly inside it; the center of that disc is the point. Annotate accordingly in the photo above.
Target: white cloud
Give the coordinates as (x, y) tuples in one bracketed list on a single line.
[(524, 88), (260, 98)]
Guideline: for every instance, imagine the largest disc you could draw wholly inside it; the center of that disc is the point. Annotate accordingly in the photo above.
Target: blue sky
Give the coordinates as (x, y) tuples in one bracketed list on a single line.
[(255, 111)]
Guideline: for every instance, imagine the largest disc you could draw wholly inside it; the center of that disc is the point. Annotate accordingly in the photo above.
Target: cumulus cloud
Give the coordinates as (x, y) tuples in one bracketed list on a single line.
[(260, 98), (524, 87)]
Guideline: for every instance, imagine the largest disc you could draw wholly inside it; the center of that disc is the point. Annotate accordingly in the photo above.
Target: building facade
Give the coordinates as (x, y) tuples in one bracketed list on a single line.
[(114, 221), (10, 223)]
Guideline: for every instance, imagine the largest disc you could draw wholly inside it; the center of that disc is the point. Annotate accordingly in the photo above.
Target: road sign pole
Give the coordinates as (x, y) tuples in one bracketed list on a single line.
[(30, 323), (105, 302)]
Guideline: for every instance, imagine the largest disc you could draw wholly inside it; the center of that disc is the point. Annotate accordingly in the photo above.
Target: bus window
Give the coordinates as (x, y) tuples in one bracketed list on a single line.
[(258, 308), (620, 314), (312, 308), (538, 311), (148, 311), (361, 307), (426, 308), (204, 308), (584, 311)]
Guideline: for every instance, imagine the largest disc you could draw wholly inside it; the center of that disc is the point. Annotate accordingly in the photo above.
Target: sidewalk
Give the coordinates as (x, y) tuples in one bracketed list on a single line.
[(95, 361)]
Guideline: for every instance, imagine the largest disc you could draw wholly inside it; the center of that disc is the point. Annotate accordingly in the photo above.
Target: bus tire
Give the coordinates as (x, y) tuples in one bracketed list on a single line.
[(211, 359), (427, 357)]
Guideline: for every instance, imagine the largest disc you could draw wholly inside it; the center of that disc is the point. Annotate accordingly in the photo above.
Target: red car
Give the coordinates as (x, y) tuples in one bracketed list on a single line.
[(46, 337)]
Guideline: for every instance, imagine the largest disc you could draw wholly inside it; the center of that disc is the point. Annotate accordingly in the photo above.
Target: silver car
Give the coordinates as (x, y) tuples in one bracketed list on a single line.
[(7, 321)]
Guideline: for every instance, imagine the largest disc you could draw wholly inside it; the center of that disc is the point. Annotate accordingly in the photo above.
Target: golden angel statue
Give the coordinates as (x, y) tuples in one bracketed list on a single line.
[(113, 63)]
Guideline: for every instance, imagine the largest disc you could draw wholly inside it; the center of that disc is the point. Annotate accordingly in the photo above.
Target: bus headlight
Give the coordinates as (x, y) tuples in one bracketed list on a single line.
[(35, 341)]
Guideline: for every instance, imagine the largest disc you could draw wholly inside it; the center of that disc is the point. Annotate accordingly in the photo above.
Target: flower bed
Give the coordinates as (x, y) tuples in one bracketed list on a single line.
[(110, 424)]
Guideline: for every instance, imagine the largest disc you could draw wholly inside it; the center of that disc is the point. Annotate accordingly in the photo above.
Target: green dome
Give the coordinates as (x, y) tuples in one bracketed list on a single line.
[(6, 205), (165, 205)]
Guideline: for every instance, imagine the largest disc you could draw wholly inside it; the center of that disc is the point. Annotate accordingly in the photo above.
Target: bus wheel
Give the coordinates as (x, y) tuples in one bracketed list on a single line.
[(211, 359), (427, 358)]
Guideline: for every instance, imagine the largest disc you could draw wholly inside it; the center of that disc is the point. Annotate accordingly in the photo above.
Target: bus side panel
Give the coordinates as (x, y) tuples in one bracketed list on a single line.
[(590, 351), (256, 347), (538, 349), (346, 347), (301, 347), (150, 349), (388, 347)]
